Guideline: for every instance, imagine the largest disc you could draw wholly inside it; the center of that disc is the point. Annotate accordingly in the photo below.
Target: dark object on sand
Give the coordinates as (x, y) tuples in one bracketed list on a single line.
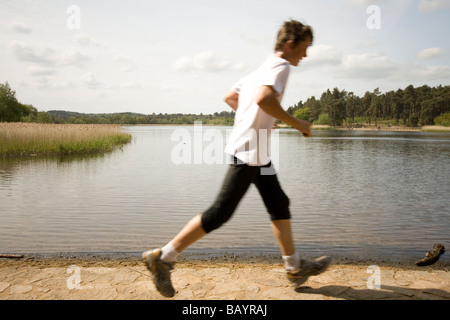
[(11, 256), (432, 256)]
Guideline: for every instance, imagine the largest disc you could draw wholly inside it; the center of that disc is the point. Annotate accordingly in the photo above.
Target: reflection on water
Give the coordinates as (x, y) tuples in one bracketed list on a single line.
[(351, 192)]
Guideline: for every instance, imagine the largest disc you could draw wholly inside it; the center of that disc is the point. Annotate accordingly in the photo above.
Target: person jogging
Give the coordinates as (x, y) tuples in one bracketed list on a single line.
[(257, 102)]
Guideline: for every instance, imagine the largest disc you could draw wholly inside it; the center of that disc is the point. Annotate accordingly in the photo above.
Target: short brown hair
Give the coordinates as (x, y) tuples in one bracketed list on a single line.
[(294, 31)]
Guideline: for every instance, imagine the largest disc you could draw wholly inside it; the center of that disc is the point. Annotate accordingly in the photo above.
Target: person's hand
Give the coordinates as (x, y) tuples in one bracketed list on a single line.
[(304, 127)]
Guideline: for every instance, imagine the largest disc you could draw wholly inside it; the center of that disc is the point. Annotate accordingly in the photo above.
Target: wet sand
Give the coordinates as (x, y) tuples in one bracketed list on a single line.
[(217, 278)]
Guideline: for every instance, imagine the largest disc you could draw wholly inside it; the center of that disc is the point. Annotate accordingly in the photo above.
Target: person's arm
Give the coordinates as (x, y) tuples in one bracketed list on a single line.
[(232, 98), (267, 100)]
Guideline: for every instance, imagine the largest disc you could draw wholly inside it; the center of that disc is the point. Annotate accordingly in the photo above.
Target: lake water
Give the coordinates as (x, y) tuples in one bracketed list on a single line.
[(352, 193)]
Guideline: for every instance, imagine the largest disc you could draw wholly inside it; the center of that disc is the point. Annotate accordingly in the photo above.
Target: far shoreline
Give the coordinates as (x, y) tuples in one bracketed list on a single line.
[(317, 127), (384, 128)]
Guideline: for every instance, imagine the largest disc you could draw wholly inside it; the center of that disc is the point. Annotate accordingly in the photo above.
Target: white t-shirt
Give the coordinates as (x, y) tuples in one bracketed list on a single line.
[(250, 139)]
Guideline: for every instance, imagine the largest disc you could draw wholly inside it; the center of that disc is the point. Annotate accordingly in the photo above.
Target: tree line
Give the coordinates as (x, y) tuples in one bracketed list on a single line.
[(410, 107), (130, 118), (11, 110)]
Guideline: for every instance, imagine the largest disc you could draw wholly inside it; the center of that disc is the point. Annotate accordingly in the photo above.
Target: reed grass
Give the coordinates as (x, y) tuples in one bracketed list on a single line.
[(33, 139), (435, 129)]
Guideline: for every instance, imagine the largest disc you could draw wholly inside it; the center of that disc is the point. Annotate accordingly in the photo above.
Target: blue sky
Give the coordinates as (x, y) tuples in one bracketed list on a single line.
[(182, 56)]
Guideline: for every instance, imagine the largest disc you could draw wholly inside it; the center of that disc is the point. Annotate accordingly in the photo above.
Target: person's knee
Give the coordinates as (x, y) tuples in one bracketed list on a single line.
[(280, 209), (215, 217)]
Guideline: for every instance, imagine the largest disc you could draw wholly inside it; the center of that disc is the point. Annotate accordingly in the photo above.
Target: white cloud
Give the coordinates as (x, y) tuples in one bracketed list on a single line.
[(366, 66), (86, 41), (183, 63), (207, 61), (42, 83), (72, 57), (253, 38), (121, 58), (321, 55), (19, 27), (364, 3), (369, 65), (91, 81), (432, 5), (380, 67), (63, 84), (414, 72), (431, 53), (29, 53), (127, 60), (363, 66), (128, 68), (40, 71), (130, 85), (47, 56), (434, 72)]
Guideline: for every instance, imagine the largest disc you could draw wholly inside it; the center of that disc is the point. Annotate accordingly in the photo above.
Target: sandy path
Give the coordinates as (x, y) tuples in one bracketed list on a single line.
[(217, 279)]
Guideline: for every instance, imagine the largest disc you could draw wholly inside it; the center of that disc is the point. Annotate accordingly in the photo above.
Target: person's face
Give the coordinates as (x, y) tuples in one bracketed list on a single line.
[(296, 54)]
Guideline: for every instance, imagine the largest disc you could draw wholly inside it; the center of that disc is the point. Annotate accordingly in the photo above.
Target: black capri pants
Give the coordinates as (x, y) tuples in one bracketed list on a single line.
[(235, 185)]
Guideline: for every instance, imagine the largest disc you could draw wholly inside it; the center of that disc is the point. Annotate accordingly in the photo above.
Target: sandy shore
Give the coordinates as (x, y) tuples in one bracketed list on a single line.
[(262, 278)]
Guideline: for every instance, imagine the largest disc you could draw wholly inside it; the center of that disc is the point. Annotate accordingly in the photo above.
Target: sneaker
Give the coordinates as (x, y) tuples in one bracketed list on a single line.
[(307, 269), (160, 271)]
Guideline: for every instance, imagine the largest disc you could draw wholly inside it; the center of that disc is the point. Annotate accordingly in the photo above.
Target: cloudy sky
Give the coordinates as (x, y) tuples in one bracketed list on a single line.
[(181, 56)]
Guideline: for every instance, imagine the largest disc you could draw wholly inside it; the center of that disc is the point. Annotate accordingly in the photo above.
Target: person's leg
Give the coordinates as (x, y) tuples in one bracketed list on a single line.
[(283, 233), (191, 233), (160, 261), (234, 186), (277, 204)]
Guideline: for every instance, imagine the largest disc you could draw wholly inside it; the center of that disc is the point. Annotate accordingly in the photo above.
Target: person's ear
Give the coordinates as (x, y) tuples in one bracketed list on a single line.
[(289, 44)]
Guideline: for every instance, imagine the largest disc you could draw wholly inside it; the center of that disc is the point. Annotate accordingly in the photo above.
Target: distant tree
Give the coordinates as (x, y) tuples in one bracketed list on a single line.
[(374, 105), (314, 108), (324, 119), (430, 109), (303, 114), (409, 101), (338, 110), (291, 110), (30, 115), (42, 117), (326, 100), (443, 120), (366, 103), (414, 106), (350, 107), (10, 109), (127, 119)]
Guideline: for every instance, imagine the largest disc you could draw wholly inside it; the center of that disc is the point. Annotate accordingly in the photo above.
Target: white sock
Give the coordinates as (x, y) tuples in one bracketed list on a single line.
[(168, 253), (292, 263)]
